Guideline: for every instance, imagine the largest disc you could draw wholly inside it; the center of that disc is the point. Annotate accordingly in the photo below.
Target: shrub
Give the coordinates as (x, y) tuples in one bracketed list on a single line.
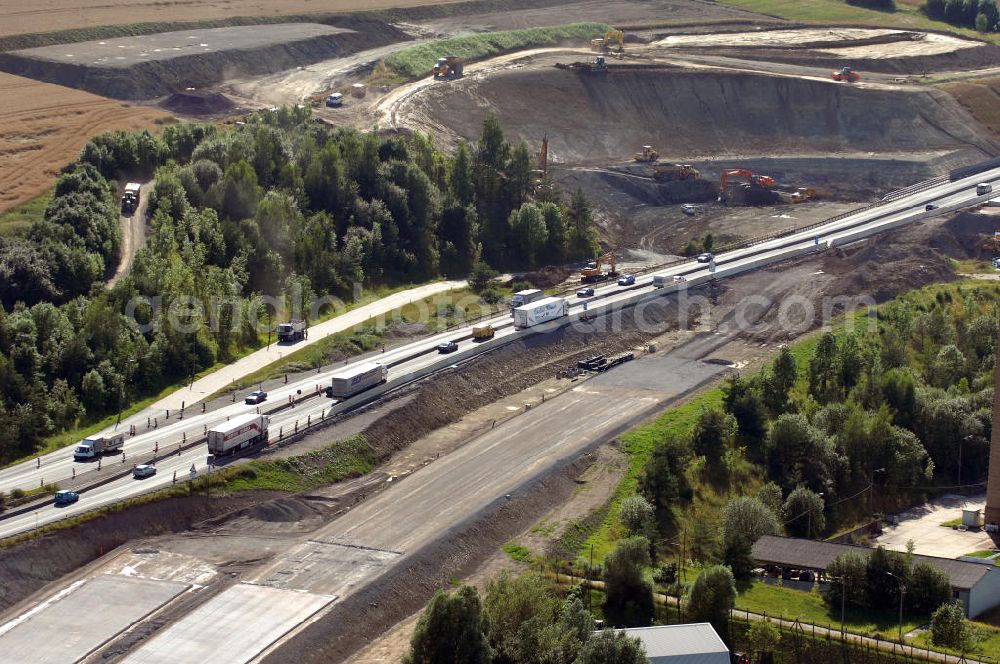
[(948, 626), (491, 295)]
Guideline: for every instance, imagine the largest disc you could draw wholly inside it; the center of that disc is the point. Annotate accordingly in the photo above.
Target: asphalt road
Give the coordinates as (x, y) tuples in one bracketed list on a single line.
[(415, 359)]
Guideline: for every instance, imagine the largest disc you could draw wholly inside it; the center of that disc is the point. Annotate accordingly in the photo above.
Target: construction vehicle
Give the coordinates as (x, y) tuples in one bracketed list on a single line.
[(238, 433), (540, 311), (450, 66), (483, 332), (598, 65), (603, 44), (846, 75), (802, 194), (595, 271), (758, 189), (648, 155), (674, 172), (357, 379), (524, 297), (95, 446), (130, 199), (291, 331)]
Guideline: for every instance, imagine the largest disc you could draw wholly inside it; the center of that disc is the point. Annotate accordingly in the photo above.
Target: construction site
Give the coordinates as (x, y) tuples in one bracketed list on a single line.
[(688, 125)]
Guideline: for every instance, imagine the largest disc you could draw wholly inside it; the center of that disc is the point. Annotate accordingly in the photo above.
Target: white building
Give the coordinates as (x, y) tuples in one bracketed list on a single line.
[(697, 643)]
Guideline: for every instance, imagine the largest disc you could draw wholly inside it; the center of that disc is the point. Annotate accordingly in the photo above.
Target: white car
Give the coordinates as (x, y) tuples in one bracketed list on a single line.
[(145, 470), (679, 278)]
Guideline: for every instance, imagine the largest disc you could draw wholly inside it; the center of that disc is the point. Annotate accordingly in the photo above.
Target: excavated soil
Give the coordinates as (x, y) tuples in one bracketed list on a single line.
[(596, 118), (198, 102)]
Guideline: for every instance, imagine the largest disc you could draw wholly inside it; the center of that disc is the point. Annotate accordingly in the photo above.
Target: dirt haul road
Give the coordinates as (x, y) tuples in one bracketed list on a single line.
[(133, 230)]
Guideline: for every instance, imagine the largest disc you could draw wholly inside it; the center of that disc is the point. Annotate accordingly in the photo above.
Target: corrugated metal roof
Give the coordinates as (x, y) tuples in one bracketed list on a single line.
[(696, 643), (811, 554)]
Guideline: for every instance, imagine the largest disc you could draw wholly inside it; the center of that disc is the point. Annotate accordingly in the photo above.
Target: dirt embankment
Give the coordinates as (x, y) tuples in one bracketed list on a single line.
[(241, 52), (592, 118), (981, 99)]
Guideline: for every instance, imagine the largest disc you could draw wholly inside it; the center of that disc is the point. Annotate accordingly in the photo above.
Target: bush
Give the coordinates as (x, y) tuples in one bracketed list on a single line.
[(929, 588), (949, 627), (666, 574), (518, 285), (712, 597), (491, 295), (482, 276)]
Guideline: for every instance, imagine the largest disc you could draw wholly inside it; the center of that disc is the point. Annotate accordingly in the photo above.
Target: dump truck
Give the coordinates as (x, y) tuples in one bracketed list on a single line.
[(648, 155), (95, 446), (291, 331), (483, 332), (524, 297), (450, 66), (357, 379), (130, 199), (675, 172), (238, 433), (540, 311)]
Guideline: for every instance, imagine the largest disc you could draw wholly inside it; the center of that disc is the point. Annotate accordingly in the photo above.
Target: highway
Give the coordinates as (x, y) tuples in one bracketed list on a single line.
[(419, 358)]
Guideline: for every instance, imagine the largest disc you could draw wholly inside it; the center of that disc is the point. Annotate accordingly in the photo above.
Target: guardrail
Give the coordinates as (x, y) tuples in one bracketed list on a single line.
[(968, 171)]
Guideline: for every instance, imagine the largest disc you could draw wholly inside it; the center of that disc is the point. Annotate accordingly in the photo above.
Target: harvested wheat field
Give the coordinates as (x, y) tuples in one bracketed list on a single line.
[(43, 126), (51, 15)]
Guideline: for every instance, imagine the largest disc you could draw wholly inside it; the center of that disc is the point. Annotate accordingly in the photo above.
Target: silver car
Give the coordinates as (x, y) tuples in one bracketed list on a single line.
[(145, 470)]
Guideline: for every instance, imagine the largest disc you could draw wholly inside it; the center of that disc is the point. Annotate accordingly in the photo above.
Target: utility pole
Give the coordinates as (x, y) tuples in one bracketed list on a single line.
[(902, 592)]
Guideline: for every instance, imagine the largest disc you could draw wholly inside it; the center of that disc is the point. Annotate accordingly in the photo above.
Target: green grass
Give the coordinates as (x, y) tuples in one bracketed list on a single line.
[(809, 607), (907, 15), (519, 553), (973, 267), (417, 61), (351, 457), (984, 640), (16, 221)]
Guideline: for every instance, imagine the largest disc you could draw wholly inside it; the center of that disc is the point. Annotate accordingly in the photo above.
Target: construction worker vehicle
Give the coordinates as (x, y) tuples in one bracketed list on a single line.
[(802, 194), (450, 66), (648, 155), (675, 172), (595, 270), (756, 190), (846, 75)]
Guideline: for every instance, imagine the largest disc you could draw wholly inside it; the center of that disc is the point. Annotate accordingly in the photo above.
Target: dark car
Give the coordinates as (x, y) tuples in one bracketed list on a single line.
[(585, 292), (627, 280), (705, 257), (930, 206), (256, 397), (447, 347), (66, 497)]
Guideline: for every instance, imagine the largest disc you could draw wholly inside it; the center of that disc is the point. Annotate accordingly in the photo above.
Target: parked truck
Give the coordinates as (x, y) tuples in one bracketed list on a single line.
[(524, 297), (95, 446), (238, 433), (130, 199), (540, 311), (291, 331), (357, 379)]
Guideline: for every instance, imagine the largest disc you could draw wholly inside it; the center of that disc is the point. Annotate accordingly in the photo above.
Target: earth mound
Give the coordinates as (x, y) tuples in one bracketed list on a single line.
[(198, 102)]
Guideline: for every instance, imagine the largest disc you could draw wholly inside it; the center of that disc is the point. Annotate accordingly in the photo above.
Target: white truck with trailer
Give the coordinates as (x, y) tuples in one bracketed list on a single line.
[(238, 433), (540, 311), (357, 379), (95, 446), (293, 330)]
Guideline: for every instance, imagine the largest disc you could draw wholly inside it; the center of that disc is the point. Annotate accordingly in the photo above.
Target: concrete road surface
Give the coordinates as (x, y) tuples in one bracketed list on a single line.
[(70, 626), (923, 525)]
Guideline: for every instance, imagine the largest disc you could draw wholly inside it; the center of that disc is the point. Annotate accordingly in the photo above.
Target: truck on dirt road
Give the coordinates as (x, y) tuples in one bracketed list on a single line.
[(539, 312), (130, 199), (357, 379), (95, 446), (293, 330), (238, 433)]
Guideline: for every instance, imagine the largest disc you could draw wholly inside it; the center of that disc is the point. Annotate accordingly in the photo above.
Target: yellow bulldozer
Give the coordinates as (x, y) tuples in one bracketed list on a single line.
[(648, 155), (595, 270), (675, 172)]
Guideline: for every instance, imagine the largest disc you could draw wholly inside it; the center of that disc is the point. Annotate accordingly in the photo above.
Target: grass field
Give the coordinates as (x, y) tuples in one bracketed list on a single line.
[(907, 14), (16, 221)]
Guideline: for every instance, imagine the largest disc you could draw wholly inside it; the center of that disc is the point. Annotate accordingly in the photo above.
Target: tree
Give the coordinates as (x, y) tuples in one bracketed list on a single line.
[(611, 647), (712, 596), (886, 572), (744, 403), (770, 495), (529, 234), (799, 453), (982, 22), (714, 431), (780, 381), (94, 397), (737, 555), (628, 600), (663, 481), (763, 638), (555, 226), (450, 631), (848, 572), (240, 192), (482, 276), (934, 9), (949, 627), (580, 225), (804, 513), (948, 367), (747, 518), (929, 588), (824, 375), (517, 611), (638, 517), (462, 187)]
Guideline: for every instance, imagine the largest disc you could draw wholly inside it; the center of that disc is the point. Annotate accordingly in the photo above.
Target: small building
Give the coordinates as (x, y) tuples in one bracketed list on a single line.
[(976, 586), (972, 518), (696, 643)]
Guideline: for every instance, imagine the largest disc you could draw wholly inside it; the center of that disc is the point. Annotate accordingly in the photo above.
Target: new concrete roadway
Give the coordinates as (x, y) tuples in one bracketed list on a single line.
[(419, 358)]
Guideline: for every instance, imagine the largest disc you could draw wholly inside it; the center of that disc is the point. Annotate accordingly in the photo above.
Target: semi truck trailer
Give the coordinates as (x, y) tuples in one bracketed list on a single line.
[(357, 379), (540, 311), (95, 446), (238, 433), (293, 330)]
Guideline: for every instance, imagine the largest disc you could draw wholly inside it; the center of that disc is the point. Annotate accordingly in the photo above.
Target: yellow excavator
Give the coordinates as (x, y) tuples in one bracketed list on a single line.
[(648, 155), (595, 271), (603, 44)]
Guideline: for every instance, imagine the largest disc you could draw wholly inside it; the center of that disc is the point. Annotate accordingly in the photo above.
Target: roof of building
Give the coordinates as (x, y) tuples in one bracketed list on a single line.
[(815, 555), (695, 643)]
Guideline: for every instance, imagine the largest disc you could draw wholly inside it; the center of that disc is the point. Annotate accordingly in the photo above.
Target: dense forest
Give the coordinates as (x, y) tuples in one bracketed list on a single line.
[(280, 207)]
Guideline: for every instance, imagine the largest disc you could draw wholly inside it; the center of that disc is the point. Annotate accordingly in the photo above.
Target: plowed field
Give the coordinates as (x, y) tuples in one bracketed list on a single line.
[(43, 126)]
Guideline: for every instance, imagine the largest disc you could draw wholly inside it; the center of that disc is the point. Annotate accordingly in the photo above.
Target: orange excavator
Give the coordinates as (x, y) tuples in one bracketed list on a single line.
[(762, 180), (595, 271)]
